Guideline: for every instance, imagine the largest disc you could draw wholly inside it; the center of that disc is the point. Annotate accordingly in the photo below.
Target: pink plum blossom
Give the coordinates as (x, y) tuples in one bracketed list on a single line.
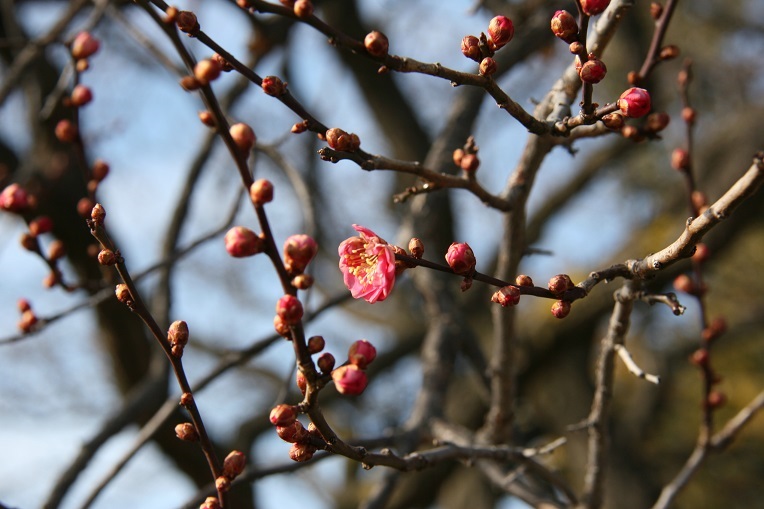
[(368, 265)]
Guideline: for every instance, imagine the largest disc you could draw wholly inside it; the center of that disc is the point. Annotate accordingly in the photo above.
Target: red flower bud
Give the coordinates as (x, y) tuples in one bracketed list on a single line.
[(289, 309), (561, 309), (23, 305), (177, 334), (292, 433), (186, 431), (361, 353), (40, 225), (261, 192), (471, 48), (316, 344), (634, 102), (501, 31), (560, 283), (84, 45), (350, 379), (186, 21), (506, 296), (303, 8), (683, 283), (283, 415), (680, 159), (461, 259), (207, 70), (66, 131), (564, 26), (376, 44), (299, 250), (342, 141), (488, 66), (593, 71), (243, 136), (273, 86), (234, 464), (281, 327), (416, 248), (523, 280), (326, 362), (594, 7), (14, 198), (301, 451), (469, 163), (241, 242), (81, 95)]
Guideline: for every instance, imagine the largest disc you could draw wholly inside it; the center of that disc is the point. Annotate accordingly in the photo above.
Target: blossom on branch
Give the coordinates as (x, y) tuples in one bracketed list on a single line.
[(368, 265)]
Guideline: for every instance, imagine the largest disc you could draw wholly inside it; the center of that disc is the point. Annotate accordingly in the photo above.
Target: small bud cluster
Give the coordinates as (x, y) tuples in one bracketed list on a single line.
[(84, 45), (466, 157), (28, 318), (558, 285), (351, 379), (291, 430), (501, 30)]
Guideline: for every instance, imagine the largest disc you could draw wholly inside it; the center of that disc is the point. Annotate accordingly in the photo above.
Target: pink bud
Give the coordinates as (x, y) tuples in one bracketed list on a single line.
[(241, 242), (14, 198), (27, 321), (560, 283), (187, 432), (593, 71), (416, 248), (501, 31), (210, 503), (84, 45), (273, 86), (289, 309), (469, 163), (376, 44), (460, 258), (301, 381), (564, 26), (301, 451), (634, 102), (283, 415), (261, 192), (177, 334), (243, 136), (594, 7), (471, 48), (281, 327), (325, 362), (66, 131), (234, 464), (488, 66), (523, 280), (299, 250), (680, 159), (341, 140), (207, 70), (361, 353), (561, 309), (303, 8), (81, 95), (292, 433), (350, 379), (507, 296), (100, 169)]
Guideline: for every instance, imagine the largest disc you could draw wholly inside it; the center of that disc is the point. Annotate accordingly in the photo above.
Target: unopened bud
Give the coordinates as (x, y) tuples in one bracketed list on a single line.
[(187, 22), (222, 484), (683, 283), (561, 309), (656, 10), (340, 140), (594, 7), (699, 200), (658, 121), (560, 284), (316, 344), (303, 8), (634, 102), (506, 296), (234, 464), (702, 253), (301, 451), (81, 95), (700, 357), (14, 198), (207, 70), (225, 65), (376, 44), (100, 170), (613, 121), (471, 48), (123, 294), (289, 308), (680, 159), (23, 305), (40, 225), (292, 433), (688, 115), (500, 30), (301, 381), (98, 214), (241, 242), (302, 281), (488, 66), (28, 321), (210, 503), (29, 242), (461, 259), (300, 127), (416, 248), (350, 379), (669, 52), (281, 327), (84, 45), (66, 131), (190, 83), (716, 328), (469, 163), (177, 334), (261, 192), (299, 250), (85, 206), (361, 353), (107, 257), (523, 280), (56, 250), (326, 362), (716, 399), (187, 432), (564, 26), (273, 86), (283, 415), (592, 71), (243, 136)]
